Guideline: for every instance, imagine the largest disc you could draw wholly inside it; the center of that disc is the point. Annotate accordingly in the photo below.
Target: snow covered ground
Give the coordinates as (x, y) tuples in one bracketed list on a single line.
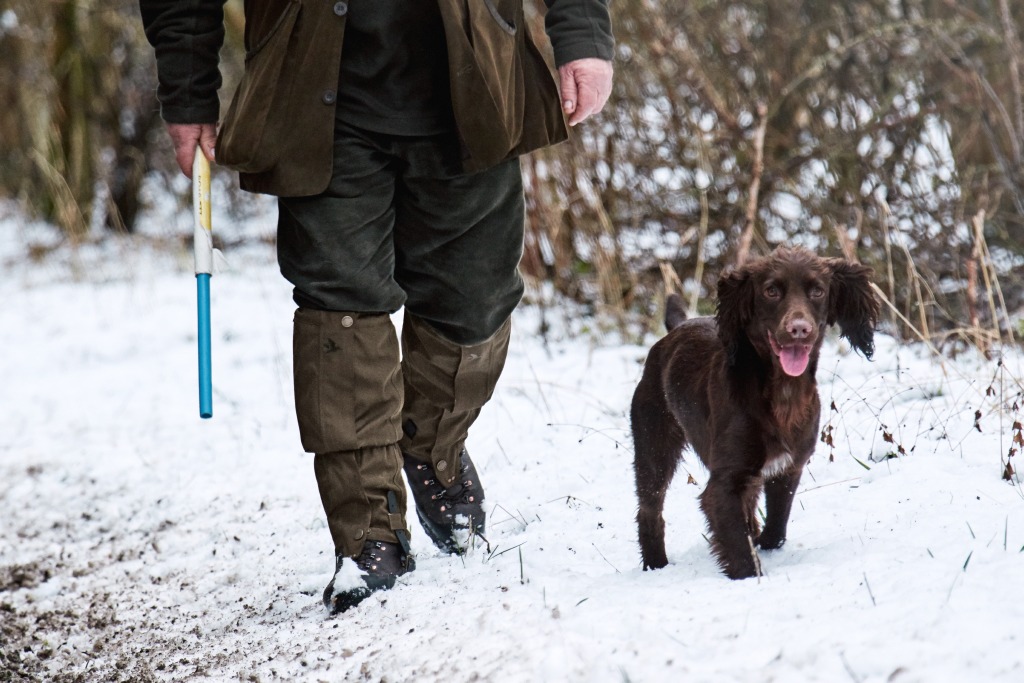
[(140, 543)]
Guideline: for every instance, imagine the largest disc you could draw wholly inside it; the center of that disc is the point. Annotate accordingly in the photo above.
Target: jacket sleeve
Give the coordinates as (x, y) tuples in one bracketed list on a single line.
[(187, 36), (579, 29)]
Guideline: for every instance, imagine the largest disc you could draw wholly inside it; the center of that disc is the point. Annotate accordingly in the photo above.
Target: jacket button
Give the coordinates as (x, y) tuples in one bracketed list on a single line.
[(358, 534), (340, 8), (347, 321), (329, 97), (442, 466)]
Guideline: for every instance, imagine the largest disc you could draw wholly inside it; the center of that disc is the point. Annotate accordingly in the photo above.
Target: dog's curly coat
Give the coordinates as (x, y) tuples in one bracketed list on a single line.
[(740, 390)]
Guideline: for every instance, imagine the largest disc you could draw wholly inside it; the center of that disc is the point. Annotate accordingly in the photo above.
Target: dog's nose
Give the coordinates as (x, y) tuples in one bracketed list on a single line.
[(799, 329)]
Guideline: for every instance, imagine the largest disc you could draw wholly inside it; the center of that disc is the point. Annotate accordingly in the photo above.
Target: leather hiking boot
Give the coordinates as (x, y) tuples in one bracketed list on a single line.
[(375, 569), (450, 516)]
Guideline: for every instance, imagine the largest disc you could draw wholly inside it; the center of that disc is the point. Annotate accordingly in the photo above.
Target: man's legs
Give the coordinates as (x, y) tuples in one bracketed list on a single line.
[(458, 242), (348, 397), (337, 250), (399, 225)]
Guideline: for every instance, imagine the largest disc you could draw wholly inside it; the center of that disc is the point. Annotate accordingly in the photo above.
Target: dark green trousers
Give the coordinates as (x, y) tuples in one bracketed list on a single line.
[(399, 225)]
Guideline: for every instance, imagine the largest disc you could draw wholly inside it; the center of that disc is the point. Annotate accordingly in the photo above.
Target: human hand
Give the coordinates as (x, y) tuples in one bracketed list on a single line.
[(185, 137), (585, 85)]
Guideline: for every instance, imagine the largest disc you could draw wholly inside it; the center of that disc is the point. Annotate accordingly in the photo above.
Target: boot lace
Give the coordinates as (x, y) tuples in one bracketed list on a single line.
[(461, 492), (371, 557)]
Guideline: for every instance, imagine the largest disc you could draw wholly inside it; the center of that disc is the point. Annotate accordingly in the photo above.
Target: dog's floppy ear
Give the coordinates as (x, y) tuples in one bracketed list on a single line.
[(852, 304), (735, 308)]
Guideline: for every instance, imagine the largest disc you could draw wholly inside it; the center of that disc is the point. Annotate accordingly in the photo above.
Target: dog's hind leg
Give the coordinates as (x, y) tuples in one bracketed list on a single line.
[(657, 443)]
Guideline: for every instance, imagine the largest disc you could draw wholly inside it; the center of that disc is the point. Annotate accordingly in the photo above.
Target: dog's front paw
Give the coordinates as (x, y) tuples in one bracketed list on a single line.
[(655, 561), (743, 567), (741, 573), (770, 541), (739, 561)]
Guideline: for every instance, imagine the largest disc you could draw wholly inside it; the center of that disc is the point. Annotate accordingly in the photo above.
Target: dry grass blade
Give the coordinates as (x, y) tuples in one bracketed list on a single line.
[(917, 333)]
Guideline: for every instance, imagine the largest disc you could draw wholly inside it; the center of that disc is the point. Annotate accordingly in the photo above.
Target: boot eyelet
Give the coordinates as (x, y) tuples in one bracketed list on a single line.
[(441, 490)]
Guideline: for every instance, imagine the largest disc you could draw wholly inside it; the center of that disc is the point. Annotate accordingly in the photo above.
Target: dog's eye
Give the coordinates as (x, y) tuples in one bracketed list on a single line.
[(772, 292), (817, 292)]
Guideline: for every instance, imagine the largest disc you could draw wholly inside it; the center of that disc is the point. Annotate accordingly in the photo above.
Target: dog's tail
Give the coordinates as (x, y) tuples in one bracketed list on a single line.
[(675, 311)]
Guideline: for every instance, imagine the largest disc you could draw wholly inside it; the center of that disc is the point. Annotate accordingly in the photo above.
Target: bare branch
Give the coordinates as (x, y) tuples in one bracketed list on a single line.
[(755, 185)]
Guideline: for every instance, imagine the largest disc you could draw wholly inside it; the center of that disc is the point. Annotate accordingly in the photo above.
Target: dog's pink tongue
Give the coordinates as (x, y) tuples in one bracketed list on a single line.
[(794, 359)]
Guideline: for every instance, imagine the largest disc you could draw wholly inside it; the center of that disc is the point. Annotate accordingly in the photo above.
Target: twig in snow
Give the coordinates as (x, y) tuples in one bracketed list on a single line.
[(570, 499), (849, 669), (497, 554), (951, 587), (605, 558), (868, 586), (511, 517), (590, 431), (502, 449), (834, 483), (757, 559)]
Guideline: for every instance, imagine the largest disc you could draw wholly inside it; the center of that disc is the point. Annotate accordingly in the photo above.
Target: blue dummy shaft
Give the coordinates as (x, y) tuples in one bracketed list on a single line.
[(205, 371)]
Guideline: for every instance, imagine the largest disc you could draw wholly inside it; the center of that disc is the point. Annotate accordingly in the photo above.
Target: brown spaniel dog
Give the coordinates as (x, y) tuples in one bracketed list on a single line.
[(739, 389)]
